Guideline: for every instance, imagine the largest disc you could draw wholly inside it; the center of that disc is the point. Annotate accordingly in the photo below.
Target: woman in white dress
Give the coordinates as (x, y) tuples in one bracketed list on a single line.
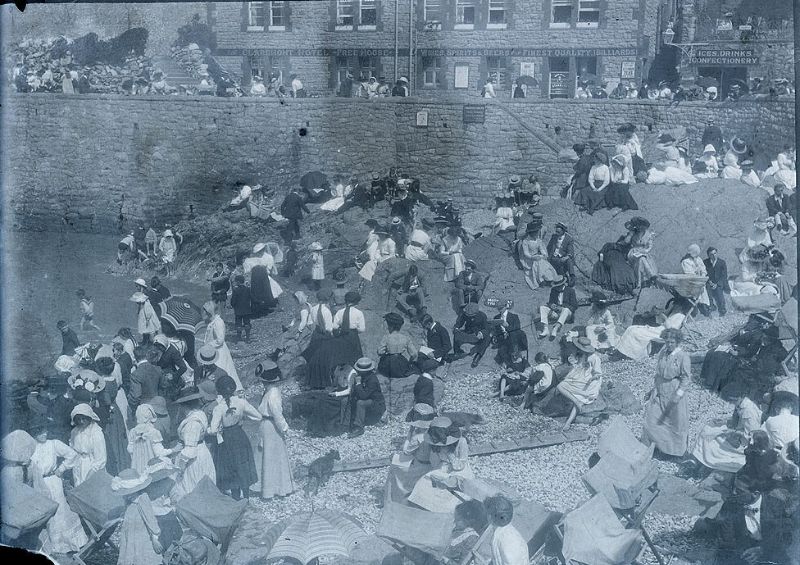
[(635, 341), (672, 168), (384, 250), (64, 533), (708, 165), (692, 264), (87, 440), (215, 336), (168, 248), (194, 459), (276, 469), (504, 216), (533, 256), (453, 254), (419, 243), (783, 428), (582, 384), (783, 168), (721, 447), (730, 162), (339, 193), (752, 258), (601, 328)]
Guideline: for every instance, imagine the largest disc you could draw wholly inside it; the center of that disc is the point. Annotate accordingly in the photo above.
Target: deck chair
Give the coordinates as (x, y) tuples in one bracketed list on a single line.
[(691, 288), (592, 533), (100, 510), (25, 513), (417, 534)]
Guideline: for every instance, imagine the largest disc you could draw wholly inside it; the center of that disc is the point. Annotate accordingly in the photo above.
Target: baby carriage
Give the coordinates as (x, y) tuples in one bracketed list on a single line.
[(209, 519)]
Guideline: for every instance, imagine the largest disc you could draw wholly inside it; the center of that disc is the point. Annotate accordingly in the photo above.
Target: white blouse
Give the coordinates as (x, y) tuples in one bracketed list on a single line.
[(357, 321), (599, 173)]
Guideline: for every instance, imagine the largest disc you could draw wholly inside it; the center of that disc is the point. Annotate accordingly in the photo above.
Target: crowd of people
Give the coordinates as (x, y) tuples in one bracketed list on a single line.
[(160, 413)]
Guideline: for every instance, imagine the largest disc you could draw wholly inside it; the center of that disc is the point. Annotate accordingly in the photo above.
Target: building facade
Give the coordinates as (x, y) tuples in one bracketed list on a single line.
[(736, 40), (442, 46)]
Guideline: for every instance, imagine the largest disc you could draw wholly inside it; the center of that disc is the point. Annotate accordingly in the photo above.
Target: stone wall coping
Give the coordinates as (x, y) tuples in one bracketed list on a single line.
[(413, 100)]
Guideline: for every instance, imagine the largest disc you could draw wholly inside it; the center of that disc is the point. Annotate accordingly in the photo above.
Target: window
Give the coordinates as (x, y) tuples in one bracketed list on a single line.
[(432, 72), (367, 67), (497, 14), (256, 16), (588, 13), (497, 69), (345, 14), (561, 13), (574, 13), (277, 16), (257, 66), (465, 14), (432, 14), (368, 14)]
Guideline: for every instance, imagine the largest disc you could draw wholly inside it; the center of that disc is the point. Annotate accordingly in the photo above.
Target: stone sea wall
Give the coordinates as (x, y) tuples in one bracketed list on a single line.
[(99, 163)]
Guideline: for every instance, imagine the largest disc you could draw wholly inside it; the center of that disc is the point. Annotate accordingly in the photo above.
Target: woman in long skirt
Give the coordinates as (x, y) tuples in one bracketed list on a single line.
[(533, 257), (111, 418), (276, 470), (453, 254), (235, 464), (618, 194), (195, 458), (612, 270), (50, 459), (666, 418), (582, 384), (348, 325), (88, 442), (215, 336)]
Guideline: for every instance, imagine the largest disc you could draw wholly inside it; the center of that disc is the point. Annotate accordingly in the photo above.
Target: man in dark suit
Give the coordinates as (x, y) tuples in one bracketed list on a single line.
[(560, 307), (292, 209), (125, 363), (145, 377), (367, 397), (506, 332), (69, 339), (469, 285), (411, 292), (561, 251), (717, 285), (781, 207), (471, 327), (436, 338)]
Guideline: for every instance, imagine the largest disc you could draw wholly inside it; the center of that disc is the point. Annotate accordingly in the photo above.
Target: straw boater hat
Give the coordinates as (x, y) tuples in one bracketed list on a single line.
[(138, 297), (583, 344), (140, 282), (515, 180), (709, 149), (364, 365), (421, 416), (207, 355), (470, 263), (442, 432), (738, 145), (268, 371), (561, 281), (259, 247), (598, 297), (376, 176), (619, 159), (471, 309), (316, 246), (396, 221), (746, 163)]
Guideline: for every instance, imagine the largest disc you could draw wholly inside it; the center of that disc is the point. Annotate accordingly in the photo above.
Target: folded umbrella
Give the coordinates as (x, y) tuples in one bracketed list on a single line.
[(182, 313)]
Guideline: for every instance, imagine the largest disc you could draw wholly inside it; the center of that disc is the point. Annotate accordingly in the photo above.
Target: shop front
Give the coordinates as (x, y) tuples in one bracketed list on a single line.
[(724, 66)]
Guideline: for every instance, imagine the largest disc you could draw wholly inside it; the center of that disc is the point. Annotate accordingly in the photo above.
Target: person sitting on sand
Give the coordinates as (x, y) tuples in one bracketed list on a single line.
[(582, 384), (514, 381)]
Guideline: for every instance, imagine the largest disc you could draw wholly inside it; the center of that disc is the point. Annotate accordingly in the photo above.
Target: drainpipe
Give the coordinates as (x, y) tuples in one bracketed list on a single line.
[(396, 36), (410, 45)]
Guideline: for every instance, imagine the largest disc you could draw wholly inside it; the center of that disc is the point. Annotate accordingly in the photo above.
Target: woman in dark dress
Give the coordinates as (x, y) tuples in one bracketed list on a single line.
[(261, 291), (348, 324), (111, 421), (618, 194), (612, 270), (396, 350)]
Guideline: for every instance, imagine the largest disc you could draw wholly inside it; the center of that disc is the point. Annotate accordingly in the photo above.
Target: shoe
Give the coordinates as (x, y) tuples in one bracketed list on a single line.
[(556, 329), (545, 331), (355, 433), (475, 361)]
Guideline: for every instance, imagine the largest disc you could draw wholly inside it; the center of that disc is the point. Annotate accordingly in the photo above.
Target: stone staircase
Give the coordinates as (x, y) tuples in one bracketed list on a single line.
[(173, 73)]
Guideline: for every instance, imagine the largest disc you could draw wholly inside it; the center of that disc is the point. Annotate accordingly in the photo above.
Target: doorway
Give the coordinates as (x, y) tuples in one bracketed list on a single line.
[(725, 76)]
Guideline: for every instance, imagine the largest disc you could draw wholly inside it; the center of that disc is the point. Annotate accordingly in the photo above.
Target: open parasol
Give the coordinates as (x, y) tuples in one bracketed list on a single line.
[(182, 313), (311, 535), (314, 180)]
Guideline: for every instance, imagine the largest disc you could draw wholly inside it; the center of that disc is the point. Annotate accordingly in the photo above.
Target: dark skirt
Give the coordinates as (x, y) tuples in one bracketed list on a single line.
[(618, 196), (718, 370), (347, 348), (234, 461), (395, 366), (593, 200), (322, 356), (260, 290), (613, 272), (639, 166), (117, 456)]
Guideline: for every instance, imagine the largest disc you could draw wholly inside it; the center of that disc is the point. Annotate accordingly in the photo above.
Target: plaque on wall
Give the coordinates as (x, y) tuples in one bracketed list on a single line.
[(462, 76), (474, 114), (628, 69), (526, 69), (422, 119)]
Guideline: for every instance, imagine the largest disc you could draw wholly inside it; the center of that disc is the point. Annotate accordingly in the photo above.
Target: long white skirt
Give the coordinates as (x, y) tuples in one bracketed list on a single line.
[(671, 176), (64, 532), (201, 466), (635, 342), (225, 362), (714, 450)]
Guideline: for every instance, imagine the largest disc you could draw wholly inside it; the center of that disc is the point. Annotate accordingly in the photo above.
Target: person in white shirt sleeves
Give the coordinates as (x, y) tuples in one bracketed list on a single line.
[(508, 545), (488, 89)]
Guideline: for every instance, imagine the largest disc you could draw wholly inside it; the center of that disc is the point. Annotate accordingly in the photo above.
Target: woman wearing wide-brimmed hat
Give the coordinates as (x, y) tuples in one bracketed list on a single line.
[(215, 337), (707, 166), (641, 237), (276, 469), (381, 250), (582, 384), (730, 162), (601, 328), (413, 459), (88, 442), (533, 258), (672, 168), (148, 322), (194, 459)]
